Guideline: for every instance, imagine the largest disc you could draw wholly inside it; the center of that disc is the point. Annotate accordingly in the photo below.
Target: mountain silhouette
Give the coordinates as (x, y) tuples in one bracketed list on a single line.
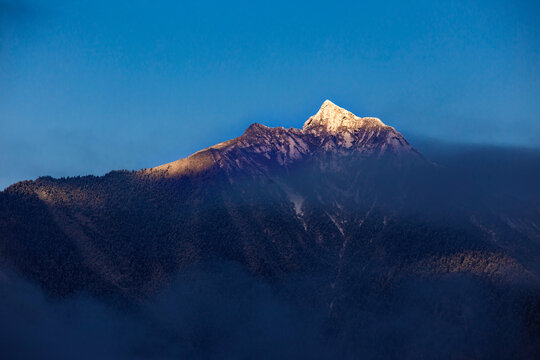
[(346, 204)]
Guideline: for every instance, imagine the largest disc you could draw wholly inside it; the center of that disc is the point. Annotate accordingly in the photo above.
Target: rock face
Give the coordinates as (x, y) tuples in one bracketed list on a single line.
[(332, 130), (345, 201), (337, 128)]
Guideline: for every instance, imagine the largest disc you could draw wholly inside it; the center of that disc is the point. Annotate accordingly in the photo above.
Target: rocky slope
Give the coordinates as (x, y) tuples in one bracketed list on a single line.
[(332, 130)]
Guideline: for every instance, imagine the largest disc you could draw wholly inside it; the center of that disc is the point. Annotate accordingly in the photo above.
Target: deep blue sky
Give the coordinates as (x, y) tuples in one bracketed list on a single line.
[(91, 86)]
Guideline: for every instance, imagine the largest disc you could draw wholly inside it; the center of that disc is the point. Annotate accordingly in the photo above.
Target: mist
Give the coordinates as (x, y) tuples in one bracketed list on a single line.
[(216, 312), (219, 311)]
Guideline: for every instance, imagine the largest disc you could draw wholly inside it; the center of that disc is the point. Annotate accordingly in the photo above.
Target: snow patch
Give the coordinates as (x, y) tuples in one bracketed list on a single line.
[(295, 198), (297, 201), (336, 223), (348, 139)]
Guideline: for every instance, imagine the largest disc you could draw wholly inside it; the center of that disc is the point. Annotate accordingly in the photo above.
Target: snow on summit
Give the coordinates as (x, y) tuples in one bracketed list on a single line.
[(333, 118), (331, 130)]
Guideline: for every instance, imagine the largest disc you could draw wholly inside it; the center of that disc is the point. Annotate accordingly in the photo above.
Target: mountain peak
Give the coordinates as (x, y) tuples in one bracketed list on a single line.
[(331, 129), (329, 104), (333, 119), (254, 128)]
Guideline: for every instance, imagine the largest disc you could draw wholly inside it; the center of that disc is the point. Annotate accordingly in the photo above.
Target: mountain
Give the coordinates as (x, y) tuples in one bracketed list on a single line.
[(344, 218), (332, 130)]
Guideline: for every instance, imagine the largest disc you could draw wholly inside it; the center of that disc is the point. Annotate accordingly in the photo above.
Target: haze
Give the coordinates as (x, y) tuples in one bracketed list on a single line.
[(91, 86)]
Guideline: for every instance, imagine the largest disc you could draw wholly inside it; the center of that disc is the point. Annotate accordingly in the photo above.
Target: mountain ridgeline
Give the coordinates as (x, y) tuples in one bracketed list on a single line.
[(397, 255)]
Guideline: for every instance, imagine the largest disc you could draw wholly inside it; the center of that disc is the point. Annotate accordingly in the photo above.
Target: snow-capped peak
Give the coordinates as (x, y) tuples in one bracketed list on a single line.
[(332, 130), (333, 119)]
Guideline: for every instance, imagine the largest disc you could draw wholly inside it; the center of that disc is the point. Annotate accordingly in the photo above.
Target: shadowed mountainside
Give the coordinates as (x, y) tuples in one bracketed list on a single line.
[(345, 203)]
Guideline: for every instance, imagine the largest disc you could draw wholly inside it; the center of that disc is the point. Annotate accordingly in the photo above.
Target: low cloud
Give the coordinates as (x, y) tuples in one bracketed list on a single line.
[(221, 312)]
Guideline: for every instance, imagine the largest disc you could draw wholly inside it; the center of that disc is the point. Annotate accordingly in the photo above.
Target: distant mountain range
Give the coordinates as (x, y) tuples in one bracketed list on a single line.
[(346, 204)]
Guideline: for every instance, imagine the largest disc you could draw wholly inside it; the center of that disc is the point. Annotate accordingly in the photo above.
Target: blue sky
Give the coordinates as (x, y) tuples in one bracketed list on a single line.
[(91, 86)]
